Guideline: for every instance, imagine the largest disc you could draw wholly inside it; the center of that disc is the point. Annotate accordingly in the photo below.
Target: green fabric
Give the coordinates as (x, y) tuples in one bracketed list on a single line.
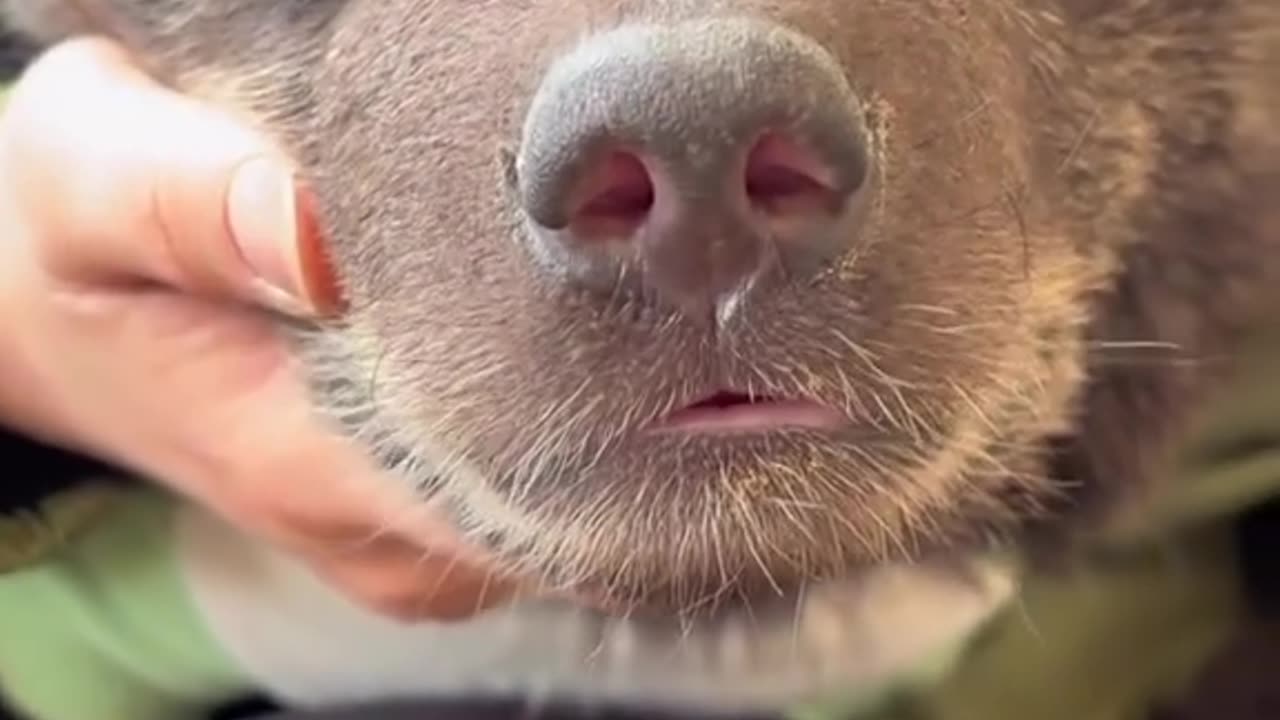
[(1147, 604), (105, 629), (29, 536), (871, 704), (1232, 461), (1103, 643)]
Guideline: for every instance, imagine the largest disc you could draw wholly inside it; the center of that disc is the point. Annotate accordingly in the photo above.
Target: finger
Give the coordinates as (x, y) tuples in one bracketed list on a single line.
[(372, 536), (292, 477), (127, 180), (410, 584)]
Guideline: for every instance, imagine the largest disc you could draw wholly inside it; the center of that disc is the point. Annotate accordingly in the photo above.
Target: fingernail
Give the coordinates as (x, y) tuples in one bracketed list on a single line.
[(318, 275), (263, 215)]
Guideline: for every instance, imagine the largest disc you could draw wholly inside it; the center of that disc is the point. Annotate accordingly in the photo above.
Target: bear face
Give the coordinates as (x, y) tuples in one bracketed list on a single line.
[(686, 304), (541, 374)]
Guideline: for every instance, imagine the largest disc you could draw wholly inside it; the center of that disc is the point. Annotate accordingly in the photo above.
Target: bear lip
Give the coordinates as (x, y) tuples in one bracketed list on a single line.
[(730, 411)]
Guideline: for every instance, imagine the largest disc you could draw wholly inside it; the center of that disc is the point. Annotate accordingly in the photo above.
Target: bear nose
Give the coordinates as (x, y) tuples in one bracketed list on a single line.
[(693, 161)]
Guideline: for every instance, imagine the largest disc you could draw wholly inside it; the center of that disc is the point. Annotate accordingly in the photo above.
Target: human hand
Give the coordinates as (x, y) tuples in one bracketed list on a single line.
[(140, 234)]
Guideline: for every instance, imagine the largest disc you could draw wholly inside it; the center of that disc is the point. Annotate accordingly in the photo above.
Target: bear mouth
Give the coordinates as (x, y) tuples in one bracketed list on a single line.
[(735, 412)]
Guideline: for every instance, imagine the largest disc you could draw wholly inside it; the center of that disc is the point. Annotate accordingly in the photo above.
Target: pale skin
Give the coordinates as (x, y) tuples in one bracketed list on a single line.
[(139, 231)]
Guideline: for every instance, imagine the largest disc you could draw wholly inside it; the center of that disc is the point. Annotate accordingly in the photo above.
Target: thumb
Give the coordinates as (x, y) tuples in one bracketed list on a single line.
[(128, 181)]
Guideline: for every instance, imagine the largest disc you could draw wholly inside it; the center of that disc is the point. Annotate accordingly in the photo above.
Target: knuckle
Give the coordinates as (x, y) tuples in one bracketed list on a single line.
[(393, 600), (269, 494), (296, 524), (320, 527), (409, 595)]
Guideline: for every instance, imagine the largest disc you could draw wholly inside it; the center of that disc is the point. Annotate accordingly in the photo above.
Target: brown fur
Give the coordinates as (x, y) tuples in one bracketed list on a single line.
[(1075, 223)]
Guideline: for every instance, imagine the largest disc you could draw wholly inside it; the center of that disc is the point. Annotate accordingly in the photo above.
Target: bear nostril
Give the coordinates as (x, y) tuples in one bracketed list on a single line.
[(613, 199), (783, 178)]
